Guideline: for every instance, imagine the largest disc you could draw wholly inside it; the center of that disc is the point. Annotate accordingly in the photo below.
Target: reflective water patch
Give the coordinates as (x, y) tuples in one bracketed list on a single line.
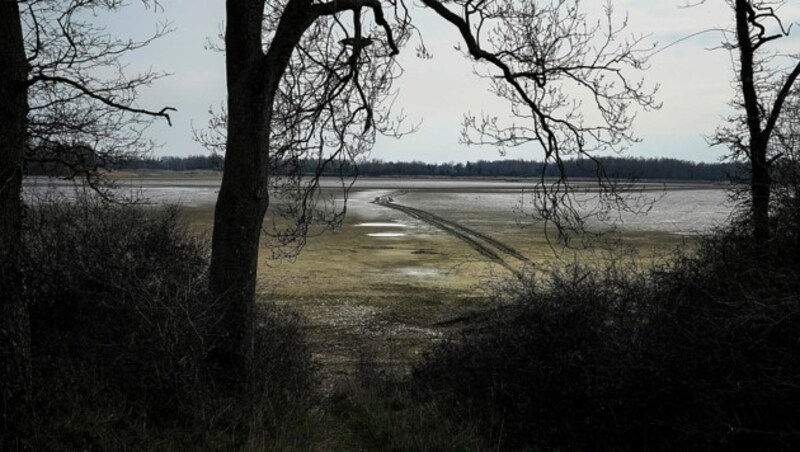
[(421, 272), (381, 225), (387, 234)]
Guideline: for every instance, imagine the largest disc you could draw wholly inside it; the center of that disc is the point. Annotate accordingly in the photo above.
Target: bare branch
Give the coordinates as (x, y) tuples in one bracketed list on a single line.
[(56, 79), (338, 6), (80, 94), (538, 55), (780, 100)]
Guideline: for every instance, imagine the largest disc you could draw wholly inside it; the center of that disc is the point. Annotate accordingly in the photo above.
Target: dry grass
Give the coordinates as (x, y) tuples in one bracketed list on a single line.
[(396, 295), (348, 263)]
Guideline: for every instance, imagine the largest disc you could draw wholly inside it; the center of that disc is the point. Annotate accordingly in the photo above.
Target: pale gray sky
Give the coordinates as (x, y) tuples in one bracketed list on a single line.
[(695, 82)]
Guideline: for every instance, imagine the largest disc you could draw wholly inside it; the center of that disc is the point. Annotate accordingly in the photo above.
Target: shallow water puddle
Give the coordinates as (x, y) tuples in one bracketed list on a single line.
[(421, 272), (381, 225), (387, 234)]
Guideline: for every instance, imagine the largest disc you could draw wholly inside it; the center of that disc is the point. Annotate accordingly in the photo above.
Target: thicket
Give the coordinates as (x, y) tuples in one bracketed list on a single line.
[(701, 352), (122, 324)]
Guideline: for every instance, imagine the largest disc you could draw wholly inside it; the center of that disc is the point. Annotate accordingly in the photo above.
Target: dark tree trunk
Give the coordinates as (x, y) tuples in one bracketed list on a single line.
[(760, 187), (15, 354), (252, 81), (243, 198), (759, 178)]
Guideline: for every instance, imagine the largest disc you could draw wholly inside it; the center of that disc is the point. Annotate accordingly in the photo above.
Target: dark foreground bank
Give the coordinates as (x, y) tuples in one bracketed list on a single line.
[(700, 352)]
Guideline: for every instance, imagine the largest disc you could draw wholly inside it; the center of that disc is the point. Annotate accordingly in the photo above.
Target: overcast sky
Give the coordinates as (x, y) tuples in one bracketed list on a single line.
[(694, 79)]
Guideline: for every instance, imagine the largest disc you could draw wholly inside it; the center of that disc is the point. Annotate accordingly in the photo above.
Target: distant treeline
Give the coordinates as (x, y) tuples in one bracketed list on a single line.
[(625, 168), (190, 163), (78, 163), (638, 168)]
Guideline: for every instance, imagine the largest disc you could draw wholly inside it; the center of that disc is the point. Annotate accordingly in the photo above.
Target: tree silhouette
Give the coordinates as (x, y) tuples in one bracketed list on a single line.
[(65, 98), (765, 82)]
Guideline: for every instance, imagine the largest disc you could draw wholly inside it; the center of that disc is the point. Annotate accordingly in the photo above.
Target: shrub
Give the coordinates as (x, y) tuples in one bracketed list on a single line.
[(703, 352), (117, 300), (724, 335), (121, 324), (540, 371)]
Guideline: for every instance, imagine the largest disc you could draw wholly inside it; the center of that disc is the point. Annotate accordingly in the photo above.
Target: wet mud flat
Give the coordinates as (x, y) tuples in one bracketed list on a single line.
[(396, 279), (482, 243), (380, 291)]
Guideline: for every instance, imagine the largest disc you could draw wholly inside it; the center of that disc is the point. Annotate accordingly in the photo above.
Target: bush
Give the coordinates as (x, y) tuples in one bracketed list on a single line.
[(117, 300), (724, 335), (545, 371), (121, 325), (703, 352)]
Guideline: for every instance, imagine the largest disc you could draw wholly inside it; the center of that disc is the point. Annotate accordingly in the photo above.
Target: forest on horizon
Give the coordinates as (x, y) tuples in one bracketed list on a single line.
[(615, 167)]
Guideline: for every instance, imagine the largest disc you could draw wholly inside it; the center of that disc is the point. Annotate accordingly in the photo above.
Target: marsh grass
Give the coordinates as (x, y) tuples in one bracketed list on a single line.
[(350, 264)]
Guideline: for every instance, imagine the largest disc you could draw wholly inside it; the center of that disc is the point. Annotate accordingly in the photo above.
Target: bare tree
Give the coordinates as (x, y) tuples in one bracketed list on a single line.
[(765, 82), (311, 81), (304, 84), (572, 89), (65, 99)]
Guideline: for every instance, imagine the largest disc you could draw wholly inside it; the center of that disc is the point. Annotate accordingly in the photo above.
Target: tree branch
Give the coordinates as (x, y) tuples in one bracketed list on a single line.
[(337, 6), (478, 53), (780, 100), (57, 79)]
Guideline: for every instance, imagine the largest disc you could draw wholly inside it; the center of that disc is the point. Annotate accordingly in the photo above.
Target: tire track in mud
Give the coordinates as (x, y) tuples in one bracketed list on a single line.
[(471, 237)]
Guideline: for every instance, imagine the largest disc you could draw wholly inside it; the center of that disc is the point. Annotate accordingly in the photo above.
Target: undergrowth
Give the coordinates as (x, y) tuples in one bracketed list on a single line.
[(700, 352), (121, 324)]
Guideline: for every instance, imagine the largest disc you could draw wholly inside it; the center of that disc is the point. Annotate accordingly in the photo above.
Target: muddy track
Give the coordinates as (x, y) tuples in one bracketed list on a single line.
[(471, 237), (490, 240), (435, 221)]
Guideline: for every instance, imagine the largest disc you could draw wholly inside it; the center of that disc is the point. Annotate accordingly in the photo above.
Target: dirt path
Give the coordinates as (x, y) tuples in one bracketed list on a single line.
[(480, 242)]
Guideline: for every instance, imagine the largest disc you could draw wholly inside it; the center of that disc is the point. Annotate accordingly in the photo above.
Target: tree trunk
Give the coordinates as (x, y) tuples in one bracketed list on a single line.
[(759, 178), (760, 187), (243, 197), (15, 353), (253, 78)]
